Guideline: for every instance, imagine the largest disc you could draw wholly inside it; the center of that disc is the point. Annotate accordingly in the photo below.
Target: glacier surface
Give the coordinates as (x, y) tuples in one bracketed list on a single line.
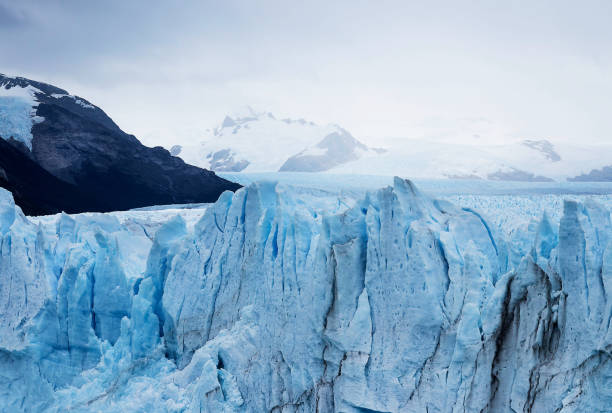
[(18, 113), (294, 299)]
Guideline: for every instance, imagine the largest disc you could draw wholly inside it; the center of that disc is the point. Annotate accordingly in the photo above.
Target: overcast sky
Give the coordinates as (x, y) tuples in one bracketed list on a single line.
[(428, 69)]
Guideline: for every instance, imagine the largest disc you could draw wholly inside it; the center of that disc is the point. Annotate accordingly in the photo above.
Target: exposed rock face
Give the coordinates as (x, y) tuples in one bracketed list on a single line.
[(289, 300), (545, 147), (335, 149), (36, 190), (223, 161), (79, 145)]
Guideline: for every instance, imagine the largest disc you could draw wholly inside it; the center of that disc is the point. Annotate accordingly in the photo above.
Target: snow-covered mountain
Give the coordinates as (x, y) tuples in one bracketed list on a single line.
[(251, 141), (284, 299), (525, 160), (59, 152)]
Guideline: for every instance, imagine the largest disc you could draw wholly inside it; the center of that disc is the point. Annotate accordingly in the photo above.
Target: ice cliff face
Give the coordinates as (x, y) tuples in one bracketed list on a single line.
[(291, 300)]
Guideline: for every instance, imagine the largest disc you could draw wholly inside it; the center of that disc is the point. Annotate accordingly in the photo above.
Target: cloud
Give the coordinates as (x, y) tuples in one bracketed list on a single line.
[(11, 18), (377, 68)]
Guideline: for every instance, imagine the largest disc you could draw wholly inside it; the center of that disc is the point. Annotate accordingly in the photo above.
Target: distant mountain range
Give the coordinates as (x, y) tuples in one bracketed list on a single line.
[(534, 160), (260, 142), (59, 152)]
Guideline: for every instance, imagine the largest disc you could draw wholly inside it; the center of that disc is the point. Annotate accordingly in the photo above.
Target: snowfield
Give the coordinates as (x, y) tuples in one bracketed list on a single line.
[(253, 141), (354, 294), (524, 160), (258, 142), (18, 113)]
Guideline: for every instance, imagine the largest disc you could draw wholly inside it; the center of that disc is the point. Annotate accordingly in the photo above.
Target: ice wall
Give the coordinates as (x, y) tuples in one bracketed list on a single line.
[(292, 300)]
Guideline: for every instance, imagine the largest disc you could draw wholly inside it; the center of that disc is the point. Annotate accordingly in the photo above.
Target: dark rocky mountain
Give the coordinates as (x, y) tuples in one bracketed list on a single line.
[(38, 192), (80, 160)]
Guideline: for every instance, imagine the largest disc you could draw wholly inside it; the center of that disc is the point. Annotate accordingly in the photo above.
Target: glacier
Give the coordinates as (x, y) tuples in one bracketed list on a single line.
[(293, 299), (18, 113)]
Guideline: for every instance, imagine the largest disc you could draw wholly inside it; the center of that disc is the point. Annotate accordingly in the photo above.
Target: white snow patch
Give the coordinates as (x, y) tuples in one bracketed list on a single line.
[(76, 99), (18, 113)]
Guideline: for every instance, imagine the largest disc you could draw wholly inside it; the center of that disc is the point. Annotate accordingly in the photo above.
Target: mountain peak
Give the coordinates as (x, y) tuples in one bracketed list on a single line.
[(76, 158), (245, 112), (257, 141), (8, 82)]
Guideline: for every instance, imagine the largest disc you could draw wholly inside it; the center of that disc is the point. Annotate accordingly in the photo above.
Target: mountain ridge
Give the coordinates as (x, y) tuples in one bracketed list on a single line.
[(252, 141), (77, 143), (257, 141)]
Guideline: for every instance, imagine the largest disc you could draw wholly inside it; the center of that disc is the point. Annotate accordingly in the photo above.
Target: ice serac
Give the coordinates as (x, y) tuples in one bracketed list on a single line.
[(286, 299)]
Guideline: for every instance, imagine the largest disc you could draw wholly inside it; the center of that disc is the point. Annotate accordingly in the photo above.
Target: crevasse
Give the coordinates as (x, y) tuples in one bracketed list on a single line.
[(292, 300)]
